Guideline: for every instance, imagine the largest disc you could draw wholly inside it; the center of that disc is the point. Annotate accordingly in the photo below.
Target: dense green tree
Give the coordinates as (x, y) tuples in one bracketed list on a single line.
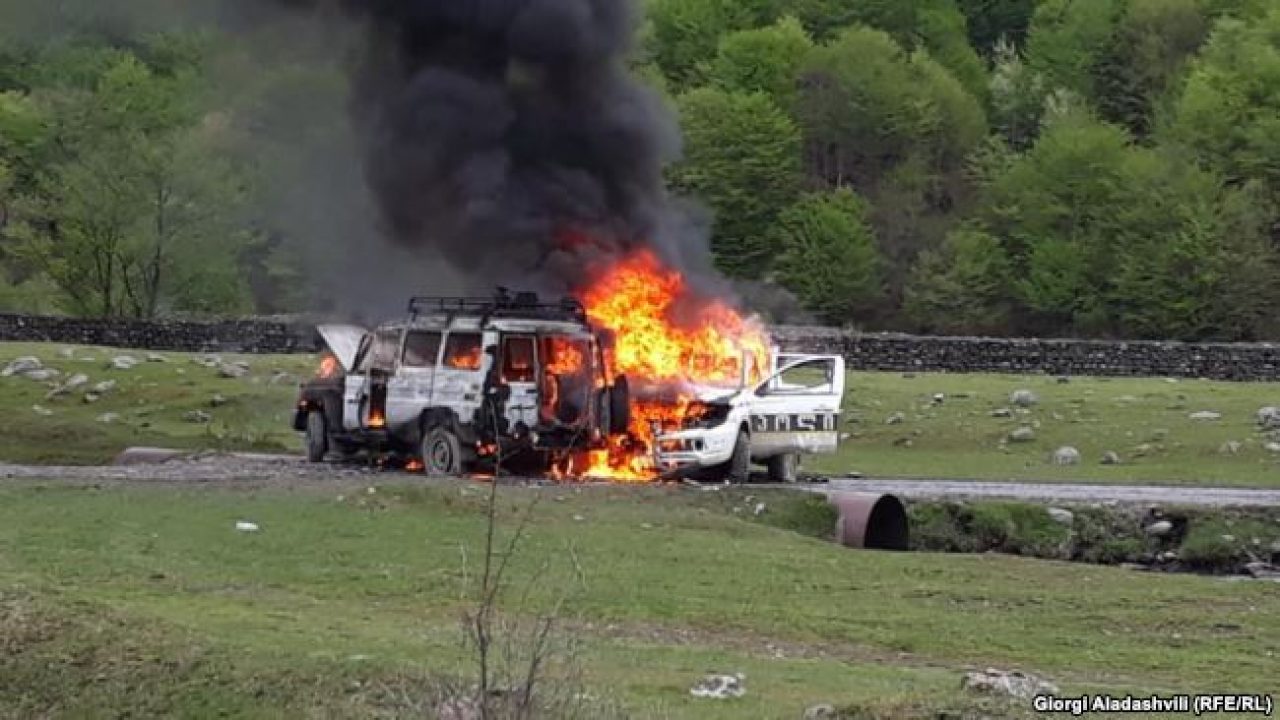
[(1153, 42), (763, 60), (132, 218), (1229, 113), (1069, 39), (685, 33), (742, 157), (937, 26), (866, 105), (961, 287), (1017, 97), (994, 21), (828, 256)]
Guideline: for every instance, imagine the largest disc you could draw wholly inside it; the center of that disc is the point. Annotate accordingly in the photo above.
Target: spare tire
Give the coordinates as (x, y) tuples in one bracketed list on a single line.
[(619, 406)]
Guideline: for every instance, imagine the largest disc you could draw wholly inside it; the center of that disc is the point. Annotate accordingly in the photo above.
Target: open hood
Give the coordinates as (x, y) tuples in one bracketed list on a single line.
[(344, 342)]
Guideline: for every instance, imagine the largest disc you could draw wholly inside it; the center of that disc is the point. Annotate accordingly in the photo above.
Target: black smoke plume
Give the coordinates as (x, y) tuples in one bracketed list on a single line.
[(508, 140)]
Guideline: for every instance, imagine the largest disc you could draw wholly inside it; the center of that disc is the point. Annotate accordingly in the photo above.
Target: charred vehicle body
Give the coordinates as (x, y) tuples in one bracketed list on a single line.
[(465, 379)]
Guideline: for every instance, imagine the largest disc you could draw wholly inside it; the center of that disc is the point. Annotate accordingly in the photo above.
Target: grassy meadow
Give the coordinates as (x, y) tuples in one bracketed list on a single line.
[(347, 604), (1146, 422)]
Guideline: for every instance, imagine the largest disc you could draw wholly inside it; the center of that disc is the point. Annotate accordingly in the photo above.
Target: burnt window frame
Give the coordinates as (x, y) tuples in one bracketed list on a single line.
[(446, 354), (532, 340), (435, 361)]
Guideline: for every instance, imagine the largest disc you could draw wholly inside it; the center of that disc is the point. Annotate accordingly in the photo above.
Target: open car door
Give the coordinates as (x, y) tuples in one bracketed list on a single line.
[(797, 409), (344, 342)]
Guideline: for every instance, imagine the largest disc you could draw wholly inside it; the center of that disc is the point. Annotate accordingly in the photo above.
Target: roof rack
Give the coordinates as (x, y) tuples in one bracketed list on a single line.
[(503, 304)]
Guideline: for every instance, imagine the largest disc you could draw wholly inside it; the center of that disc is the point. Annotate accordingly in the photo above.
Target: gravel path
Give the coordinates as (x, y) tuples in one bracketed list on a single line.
[(289, 471)]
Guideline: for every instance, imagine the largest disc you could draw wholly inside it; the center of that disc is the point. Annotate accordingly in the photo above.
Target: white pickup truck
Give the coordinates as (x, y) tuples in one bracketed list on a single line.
[(792, 413)]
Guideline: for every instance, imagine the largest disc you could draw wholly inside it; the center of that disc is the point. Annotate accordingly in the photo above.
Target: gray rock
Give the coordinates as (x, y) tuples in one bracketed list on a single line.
[(124, 362), (22, 366), (1011, 683), (217, 401), (41, 410), (1272, 447), (1063, 380), (198, 416), (1159, 528), (1205, 415), (720, 687), (939, 398), (1002, 413), (42, 374), (1262, 570), (109, 418), (91, 398), (1024, 398), (71, 384), (207, 360), (896, 419), (232, 371), (1111, 458), (67, 353), (156, 358), (1022, 434), (1230, 447), (1066, 456), (1269, 418), (823, 711), (104, 387), (1061, 516)]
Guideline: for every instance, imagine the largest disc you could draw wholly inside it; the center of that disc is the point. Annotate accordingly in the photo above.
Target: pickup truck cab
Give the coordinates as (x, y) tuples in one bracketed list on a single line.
[(792, 413)]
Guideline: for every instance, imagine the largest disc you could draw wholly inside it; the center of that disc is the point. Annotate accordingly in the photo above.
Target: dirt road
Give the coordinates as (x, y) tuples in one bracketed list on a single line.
[(290, 471)]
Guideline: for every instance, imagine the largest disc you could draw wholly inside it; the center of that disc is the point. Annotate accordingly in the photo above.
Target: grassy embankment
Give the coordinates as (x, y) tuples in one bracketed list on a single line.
[(1145, 421), (147, 599)]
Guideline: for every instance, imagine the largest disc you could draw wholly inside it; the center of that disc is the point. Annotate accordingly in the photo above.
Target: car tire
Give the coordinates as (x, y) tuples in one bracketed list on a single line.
[(783, 468), (619, 406), (738, 470), (317, 437), (441, 453)]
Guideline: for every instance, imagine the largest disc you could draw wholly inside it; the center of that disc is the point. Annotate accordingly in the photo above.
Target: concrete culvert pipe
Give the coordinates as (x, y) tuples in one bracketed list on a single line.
[(870, 520)]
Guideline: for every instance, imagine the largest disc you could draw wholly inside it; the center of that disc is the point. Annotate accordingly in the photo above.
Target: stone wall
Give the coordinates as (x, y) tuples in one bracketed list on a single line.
[(246, 336), (901, 353), (1221, 361)]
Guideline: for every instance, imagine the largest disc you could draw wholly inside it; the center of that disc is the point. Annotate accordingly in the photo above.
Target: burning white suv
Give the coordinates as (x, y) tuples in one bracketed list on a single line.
[(464, 379), (792, 413)]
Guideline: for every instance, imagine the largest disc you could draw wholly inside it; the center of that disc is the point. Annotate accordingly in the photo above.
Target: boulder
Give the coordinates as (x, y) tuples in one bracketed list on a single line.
[(720, 687), (1023, 398), (1269, 418), (1013, 683), (1022, 434), (123, 362), (198, 416), (22, 366), (104, 387), (1230, 447), (1159, 528), (1061, 516), (1002, 413), (896, 419), (156, 358), (109, 418), (1111, 458), (1066, 456), (232, 371), (42, 374), (217, 401), (822, 711), (71, 384), (41, 410)]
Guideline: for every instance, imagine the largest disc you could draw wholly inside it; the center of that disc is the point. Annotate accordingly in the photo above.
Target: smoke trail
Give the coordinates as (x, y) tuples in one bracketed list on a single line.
[(508, 139)]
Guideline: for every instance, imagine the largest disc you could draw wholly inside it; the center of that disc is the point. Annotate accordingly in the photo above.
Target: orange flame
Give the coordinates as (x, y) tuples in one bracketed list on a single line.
[(666, 337), (466, 359), (565, 356), (329, 367)]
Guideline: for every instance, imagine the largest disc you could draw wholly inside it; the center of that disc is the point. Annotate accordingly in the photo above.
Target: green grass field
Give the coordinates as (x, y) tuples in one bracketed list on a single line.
[(1145, 421), (145, 599)]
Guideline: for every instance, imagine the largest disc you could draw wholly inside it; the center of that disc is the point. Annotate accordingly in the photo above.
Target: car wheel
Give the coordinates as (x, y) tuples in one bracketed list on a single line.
[(441, 453), (783, 468), (317, 436), (738, 470)]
